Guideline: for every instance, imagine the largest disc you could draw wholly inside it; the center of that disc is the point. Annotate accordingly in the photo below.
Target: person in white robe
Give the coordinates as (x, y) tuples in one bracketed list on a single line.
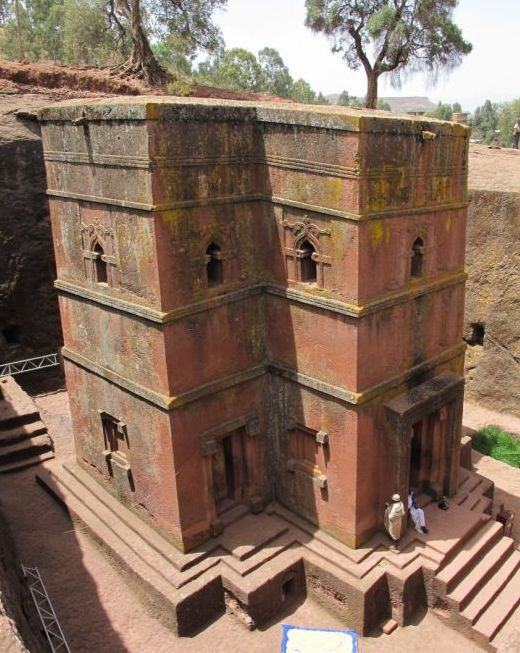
[(395, 516), (417, 514)]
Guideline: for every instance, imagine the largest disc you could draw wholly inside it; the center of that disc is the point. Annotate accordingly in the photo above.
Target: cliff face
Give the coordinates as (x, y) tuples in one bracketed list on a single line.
[(29, 321), (492, 324)]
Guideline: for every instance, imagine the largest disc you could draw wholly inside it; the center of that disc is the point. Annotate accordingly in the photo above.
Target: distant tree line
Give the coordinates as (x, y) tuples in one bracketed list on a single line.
[(492, 123), (174, 32)]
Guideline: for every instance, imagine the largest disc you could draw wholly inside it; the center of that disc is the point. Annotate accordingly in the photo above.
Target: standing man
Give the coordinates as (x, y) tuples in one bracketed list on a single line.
[(516, 133), (394, 518)]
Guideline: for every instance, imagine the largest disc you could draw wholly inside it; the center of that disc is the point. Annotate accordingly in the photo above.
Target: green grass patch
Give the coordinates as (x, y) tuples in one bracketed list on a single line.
[(495, 442)]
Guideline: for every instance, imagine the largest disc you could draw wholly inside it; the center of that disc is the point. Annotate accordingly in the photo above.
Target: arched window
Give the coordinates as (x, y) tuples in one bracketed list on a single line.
[(100, 266), (214, 265), (416, 269), (308, 267)]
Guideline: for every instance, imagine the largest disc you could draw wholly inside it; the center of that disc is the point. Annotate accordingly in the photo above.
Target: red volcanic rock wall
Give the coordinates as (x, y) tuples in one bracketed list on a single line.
[(248, 294), (29, 319)]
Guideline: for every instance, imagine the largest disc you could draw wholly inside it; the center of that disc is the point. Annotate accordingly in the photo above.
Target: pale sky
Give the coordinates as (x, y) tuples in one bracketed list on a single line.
[(490, 71)]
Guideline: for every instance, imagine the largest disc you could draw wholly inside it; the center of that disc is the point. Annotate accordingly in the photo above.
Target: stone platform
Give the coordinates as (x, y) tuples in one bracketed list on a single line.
[(24, 439), (464, 568)]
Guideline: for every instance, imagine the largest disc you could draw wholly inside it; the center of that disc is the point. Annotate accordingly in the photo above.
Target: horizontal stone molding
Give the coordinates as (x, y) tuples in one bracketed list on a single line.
[(166, 402), (110, 201), (154, 315), (271, 160), (350, 397), (259, 197), (291, 293)]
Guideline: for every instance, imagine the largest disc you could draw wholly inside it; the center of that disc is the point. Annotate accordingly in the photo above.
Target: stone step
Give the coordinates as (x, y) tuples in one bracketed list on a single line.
[(76, 495), (26, 462), (21, 432), (154, 539), (261, 556), (462, 594), (471, 551), (497, 613), (9, 419), (165, 595), (510, 629), (352, 555), (491, 588), (233, 515), (140, 542), (473, 484), (25, 448), (480, 504)]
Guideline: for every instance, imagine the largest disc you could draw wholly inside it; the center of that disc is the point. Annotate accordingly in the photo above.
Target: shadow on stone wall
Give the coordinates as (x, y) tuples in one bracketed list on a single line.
[(29, 318)]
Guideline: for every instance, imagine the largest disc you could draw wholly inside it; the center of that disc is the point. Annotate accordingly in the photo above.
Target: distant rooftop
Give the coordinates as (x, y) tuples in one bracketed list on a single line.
[(416, 105), (409, 104)]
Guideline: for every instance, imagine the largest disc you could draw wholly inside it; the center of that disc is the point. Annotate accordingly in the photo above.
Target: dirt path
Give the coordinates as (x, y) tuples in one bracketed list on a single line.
[(99, 609), (476, 416)]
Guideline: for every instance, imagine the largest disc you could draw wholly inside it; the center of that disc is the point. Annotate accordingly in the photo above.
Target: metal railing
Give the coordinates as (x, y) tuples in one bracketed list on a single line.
[(50, 623), (29, 364)]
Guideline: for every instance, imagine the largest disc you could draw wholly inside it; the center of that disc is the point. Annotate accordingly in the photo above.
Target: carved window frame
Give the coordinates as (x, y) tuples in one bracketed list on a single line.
[(295, 234), (97, 235)]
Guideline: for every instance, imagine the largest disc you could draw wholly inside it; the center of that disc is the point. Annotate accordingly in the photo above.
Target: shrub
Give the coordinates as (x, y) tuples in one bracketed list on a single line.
[(495, 442)]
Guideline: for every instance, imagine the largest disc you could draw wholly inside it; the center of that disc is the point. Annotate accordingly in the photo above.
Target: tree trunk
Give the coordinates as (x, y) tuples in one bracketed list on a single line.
[(142, 62), (371, 99)]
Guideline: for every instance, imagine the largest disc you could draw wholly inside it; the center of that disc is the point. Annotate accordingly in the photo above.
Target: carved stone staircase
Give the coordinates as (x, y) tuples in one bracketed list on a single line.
[(464, 568), (23, 436)]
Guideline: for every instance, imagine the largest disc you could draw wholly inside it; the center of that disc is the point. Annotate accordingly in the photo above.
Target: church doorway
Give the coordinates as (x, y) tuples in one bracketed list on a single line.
[(229, 471), (429, 450)]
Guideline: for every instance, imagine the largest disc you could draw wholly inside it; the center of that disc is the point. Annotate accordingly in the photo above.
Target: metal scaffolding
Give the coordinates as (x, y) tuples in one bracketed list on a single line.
[(29, 364), (45, 610)]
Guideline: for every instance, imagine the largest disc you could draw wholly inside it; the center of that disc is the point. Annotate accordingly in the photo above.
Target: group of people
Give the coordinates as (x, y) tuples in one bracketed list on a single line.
[(396, 515)]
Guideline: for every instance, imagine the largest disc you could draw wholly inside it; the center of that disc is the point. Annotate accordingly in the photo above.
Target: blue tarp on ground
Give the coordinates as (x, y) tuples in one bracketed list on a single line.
[(297, 639)]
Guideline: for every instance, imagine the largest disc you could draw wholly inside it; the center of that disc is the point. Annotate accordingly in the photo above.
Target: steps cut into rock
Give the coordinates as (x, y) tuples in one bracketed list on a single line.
[(24, 439)]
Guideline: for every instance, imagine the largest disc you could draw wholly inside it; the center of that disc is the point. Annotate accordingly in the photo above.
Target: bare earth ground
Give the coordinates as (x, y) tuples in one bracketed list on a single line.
[(476, 416), (494, 169), (99, 608)]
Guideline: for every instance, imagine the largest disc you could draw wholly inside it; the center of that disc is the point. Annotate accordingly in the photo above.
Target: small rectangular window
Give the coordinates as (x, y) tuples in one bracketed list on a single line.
[(114, 433), (303, 446)]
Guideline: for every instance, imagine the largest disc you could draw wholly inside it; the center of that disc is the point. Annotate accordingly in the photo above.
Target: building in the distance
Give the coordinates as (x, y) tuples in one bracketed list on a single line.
[(259, 303)]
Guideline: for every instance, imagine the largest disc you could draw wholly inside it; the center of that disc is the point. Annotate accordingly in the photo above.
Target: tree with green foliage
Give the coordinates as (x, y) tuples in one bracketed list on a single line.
[(406, 36), (508, 114), (39, 22), (236, 69), (173, 55), (344, 99), (189, 20), (485, 122), (301, 91), (277, 76), (66, 31), (86, 37), (442, 111), (321, 99)]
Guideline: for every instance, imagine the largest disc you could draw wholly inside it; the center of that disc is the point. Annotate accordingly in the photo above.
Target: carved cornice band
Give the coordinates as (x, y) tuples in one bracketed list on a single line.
[(168, 402), (258, 197), (293, 294)]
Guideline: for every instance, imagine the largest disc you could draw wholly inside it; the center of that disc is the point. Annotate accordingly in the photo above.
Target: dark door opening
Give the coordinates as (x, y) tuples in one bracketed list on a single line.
[(224, 485), (416, 455)]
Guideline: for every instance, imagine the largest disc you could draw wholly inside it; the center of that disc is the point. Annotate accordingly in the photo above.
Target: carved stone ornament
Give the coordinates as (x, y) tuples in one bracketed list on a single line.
[(305, 227), (96, 229)]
